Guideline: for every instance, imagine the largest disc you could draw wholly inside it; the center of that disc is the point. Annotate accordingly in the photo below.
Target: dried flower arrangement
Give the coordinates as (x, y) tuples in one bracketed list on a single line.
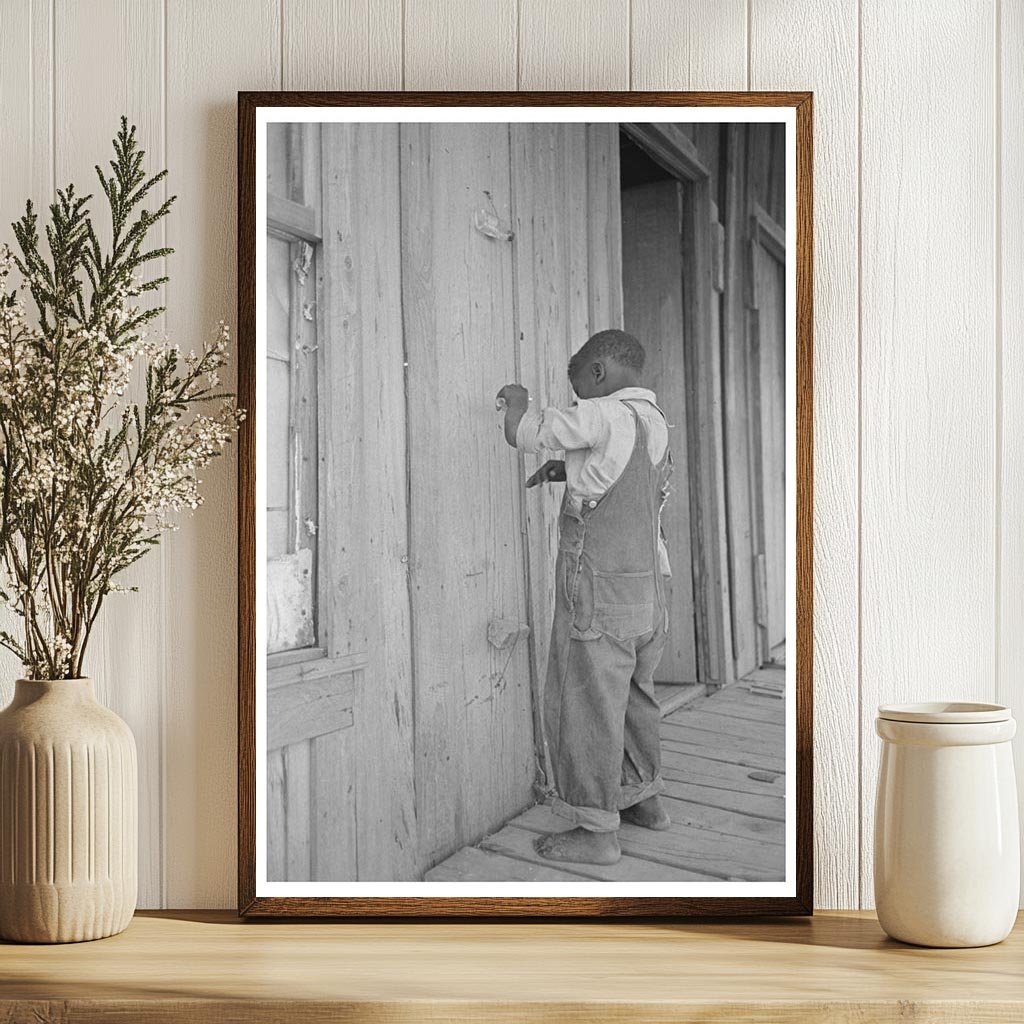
[(89, 477)]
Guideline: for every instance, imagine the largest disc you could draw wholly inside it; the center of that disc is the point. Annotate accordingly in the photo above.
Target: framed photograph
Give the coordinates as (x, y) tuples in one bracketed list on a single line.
[(525, 500)]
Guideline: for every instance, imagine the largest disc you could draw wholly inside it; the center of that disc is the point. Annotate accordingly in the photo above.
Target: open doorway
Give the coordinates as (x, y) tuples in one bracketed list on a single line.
[(704, 291), (653, 311)]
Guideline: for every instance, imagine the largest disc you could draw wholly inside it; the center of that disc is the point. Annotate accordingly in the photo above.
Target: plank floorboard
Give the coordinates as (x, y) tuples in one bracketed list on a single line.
[(704, 771), (746, 752), (773, 712), (769, 808), (726, 821), (708, 774), (692, 849), (673, 696), (472, 864), (723, 760), (769, 674), (513, 841), (726, 727)]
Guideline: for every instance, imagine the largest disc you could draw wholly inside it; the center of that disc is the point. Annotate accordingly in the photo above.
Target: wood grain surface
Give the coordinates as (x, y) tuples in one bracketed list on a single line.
[(1010, 337), (574, 44), (832, 73), (130, 34), (865, 62), (552, 234), (701, 44), (928, 410), (223, 46), (458, 325), (729, 827), (201, 967)]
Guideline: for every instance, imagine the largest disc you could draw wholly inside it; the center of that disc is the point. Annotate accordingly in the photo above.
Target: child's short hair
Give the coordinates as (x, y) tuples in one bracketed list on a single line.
[(614, 345)]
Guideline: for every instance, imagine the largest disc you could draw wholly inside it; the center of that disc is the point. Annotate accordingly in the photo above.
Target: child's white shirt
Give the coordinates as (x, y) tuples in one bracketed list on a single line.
[(597, 437)]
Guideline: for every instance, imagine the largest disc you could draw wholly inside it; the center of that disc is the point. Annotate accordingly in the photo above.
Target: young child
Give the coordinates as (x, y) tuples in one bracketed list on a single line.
[(601, 716)]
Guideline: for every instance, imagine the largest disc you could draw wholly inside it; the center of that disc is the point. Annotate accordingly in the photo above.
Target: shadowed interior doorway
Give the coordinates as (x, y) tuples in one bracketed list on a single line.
[(653, 297)]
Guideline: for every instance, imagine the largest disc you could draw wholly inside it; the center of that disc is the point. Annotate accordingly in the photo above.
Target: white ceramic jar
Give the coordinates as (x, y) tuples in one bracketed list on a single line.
[(947, 847)]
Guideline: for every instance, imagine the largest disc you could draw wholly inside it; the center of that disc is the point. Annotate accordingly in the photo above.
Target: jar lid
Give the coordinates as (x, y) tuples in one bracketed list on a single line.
[(945, 712)]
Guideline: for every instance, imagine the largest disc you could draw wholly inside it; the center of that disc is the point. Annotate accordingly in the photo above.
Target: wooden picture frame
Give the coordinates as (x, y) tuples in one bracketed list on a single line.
[(710, 403)]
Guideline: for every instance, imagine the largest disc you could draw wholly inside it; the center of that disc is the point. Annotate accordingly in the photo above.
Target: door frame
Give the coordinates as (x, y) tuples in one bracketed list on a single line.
[(669, 146), (766, 233)]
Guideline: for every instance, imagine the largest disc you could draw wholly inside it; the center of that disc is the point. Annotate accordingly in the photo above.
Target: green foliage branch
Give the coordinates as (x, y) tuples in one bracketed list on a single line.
[(103, 430)]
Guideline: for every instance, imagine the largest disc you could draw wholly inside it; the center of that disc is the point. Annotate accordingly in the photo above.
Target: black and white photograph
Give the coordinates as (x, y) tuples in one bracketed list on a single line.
[(525, 537)]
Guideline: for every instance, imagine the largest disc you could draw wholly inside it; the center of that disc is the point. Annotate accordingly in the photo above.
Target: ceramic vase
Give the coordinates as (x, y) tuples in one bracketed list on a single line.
[(947, 847), (68, 813)]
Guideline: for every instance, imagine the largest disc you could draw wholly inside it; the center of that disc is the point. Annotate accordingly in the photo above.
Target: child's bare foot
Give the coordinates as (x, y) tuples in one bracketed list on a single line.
[(580, 845), (649, 813)]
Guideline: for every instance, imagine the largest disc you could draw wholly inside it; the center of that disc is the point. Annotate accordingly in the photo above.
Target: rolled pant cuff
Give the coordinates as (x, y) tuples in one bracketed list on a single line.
[(640, 791), (593, 819)]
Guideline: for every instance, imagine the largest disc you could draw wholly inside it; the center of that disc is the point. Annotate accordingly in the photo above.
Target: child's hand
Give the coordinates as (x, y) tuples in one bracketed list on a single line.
[(551, 472), (515, 397)]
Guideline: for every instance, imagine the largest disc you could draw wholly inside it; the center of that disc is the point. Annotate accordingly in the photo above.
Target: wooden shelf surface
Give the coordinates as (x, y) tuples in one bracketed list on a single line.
[(209, 966)]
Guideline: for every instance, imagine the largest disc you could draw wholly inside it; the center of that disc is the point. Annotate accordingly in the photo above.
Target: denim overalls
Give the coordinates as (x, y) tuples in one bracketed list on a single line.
[(601, 716)]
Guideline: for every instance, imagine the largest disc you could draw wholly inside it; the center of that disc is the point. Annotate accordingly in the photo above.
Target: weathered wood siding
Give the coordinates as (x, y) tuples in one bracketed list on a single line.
[(472, 716), (453, 260), (769, 399), (553, 229), (366, 520), (311, 770), (746, 168), (736, 345)]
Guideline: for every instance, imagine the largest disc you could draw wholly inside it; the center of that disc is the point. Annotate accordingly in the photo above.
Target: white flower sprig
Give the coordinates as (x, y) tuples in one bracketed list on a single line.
[(89, 478)]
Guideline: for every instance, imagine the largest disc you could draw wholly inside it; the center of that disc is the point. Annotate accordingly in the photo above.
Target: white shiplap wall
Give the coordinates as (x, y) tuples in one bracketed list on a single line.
[(919, 323)]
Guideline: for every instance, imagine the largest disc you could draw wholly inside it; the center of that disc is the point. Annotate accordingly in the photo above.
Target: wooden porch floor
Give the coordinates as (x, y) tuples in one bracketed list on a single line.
[(723, 759)]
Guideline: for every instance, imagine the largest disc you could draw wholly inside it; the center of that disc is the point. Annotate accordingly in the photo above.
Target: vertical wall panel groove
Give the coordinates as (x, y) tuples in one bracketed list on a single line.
[(468, 44), (457, 306), (342, 44), (574, 44), (122, 658), (1011, 264), (928, 296), (827, 64), (928, 512), (700, 44), (213, 50), (26, 89), (859, 576)]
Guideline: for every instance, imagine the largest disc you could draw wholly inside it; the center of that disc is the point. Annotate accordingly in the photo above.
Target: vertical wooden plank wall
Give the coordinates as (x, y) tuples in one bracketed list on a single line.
[(472, 714), (128, 668), (366, 527), (342, 44), (225, 46), (928, 515), (552, 286), (832, 73), (604, 228), (1010, 336), (386, 773), (574, 44), (466, 45), (696, 45), (26, 118), (918, 559)]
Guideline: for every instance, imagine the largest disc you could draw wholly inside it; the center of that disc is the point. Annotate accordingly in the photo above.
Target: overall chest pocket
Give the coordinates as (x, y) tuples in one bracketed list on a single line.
[(624, 603)]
